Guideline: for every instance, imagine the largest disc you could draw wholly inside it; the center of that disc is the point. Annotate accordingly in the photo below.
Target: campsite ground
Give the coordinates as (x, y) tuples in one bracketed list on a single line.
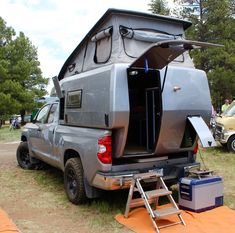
[(36, 201)]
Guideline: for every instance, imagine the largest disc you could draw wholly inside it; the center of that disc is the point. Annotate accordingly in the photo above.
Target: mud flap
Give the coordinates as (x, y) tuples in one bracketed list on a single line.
[(205, 136)]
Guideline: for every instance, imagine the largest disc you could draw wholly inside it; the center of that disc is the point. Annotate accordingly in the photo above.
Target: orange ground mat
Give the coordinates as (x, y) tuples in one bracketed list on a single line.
[(218, 220), (6, 225)]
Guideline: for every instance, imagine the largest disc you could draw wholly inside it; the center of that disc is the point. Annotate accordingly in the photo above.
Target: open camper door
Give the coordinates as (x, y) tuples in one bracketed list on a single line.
[(204, 134), (160, 54), (150, 126)]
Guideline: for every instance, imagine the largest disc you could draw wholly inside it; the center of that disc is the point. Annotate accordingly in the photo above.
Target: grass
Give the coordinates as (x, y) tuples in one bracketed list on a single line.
[(223, 164), (99, 213), (7, 135)]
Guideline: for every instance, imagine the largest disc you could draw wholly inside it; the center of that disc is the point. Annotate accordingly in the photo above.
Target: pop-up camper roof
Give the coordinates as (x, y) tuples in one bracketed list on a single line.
[(121, 36)]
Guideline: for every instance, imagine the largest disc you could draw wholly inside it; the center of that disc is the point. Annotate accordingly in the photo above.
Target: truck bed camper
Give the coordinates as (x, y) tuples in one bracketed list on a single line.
[(131, 101), (133, 76)]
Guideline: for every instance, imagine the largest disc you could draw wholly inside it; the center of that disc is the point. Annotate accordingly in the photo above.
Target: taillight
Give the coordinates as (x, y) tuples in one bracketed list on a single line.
[(196, 149), (104, 152)]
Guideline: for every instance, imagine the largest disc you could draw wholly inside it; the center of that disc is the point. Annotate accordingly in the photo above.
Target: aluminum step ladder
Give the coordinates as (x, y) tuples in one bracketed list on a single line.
[(150, 198)]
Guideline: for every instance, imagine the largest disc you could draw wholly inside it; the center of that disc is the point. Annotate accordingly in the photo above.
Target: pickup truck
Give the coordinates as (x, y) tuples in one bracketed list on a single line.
[(129, 101), (85, 156)]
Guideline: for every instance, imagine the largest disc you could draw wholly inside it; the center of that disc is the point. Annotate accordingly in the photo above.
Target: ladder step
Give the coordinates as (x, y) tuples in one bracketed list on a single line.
[(140, 202), (147, 175), (160, 213), (157, 193)]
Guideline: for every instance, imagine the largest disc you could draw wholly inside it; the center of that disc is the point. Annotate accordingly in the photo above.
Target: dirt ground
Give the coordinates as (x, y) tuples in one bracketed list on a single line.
[(36, 208)]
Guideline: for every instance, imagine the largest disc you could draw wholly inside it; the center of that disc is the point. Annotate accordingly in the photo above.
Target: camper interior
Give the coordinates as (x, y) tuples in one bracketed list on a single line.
[(145, 110)]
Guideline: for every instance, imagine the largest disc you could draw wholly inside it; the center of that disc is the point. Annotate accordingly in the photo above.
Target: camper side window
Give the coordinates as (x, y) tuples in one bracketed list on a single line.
[(74, 99), (103, 45)]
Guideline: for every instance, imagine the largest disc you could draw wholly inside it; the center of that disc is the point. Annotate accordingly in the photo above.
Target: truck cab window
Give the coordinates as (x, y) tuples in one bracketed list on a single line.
[(42, 115), (52, 113)]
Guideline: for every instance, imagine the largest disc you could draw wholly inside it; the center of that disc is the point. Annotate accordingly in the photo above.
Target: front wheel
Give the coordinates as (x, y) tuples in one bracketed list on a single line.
[(231, 144), (23, 157), (74, 181)]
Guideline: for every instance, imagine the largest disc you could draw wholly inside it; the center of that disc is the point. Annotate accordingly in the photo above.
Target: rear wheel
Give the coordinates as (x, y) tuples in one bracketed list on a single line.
[(231, 144), (23, 157), (74, 181)]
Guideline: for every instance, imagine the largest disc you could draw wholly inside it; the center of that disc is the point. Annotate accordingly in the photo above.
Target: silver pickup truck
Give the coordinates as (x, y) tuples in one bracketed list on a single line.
[(129, 100)]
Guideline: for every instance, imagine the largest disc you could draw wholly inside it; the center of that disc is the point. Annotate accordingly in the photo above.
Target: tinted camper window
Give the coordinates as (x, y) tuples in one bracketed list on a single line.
[(103, 45), (74, 99)]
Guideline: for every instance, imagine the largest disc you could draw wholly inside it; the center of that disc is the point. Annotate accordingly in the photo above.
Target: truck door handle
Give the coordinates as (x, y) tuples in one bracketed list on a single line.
[(176, 88)]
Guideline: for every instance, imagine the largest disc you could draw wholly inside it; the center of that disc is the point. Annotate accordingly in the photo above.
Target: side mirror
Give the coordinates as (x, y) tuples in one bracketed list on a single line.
[(32, 120)]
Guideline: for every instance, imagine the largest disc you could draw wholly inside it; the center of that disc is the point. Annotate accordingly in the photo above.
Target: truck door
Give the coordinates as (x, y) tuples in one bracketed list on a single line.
[(43, 135)]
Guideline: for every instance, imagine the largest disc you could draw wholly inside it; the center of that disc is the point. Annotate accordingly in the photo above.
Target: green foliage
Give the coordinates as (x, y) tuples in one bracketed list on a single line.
[(216, 24), (159, 7), (21, 79)]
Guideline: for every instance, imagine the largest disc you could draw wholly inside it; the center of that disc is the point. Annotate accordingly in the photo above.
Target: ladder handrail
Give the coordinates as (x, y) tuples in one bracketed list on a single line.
[(136, 182)]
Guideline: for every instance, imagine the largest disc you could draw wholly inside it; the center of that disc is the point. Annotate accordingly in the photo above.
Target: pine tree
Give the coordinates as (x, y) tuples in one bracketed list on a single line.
[(21, 79), (159, 7)]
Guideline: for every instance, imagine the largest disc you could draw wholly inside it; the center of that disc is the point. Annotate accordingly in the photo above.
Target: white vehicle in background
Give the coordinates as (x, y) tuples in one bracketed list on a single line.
[(225, 128)]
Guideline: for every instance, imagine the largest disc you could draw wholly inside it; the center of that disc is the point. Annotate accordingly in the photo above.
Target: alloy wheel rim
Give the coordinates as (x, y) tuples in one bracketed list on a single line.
[(25, 158), (72, 182)]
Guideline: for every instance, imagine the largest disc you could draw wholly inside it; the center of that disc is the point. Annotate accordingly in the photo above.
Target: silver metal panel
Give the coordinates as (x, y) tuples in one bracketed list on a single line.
[(191, 97), (202, 130), (104, 104)]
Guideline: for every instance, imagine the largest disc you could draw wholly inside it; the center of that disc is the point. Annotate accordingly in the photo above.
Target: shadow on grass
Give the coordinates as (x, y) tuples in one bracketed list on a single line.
[(52, 179), (108, 204)]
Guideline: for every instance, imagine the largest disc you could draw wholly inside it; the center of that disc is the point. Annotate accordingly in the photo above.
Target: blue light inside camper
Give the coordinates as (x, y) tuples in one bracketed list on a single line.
[(146, 65)]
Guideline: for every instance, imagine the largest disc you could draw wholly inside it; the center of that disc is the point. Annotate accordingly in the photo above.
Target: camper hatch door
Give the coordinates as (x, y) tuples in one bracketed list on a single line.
[(160, 54)]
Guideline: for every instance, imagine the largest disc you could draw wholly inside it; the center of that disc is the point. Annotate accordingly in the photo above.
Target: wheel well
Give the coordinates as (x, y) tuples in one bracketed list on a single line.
[(70, 153)]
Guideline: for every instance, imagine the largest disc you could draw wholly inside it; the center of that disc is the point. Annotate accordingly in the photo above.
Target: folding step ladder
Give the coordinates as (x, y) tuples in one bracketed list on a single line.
[(149, 198)]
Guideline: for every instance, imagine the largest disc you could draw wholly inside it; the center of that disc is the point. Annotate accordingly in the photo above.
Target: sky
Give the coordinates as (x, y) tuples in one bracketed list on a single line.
[(56, 27)]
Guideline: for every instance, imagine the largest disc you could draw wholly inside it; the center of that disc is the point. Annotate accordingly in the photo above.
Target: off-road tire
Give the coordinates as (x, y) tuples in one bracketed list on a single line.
[(74, 181), (231, 144), (23, 157)]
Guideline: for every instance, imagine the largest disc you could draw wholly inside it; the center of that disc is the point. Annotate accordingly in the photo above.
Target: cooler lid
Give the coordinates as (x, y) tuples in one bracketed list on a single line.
[(205, 136), (160, 54)]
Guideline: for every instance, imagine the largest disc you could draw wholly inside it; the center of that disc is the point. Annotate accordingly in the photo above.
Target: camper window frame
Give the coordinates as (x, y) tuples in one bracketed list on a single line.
[(77, 104), (97, 38)]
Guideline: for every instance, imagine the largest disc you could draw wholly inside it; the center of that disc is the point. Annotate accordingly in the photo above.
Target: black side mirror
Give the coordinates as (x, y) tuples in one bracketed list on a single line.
[(32, 120)]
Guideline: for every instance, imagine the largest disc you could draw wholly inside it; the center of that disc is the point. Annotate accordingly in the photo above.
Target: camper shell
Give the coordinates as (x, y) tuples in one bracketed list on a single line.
[(131, 101), (120, 77)]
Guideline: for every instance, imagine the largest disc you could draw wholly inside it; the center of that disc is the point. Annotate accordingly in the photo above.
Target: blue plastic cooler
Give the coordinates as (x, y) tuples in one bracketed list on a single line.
[(200, 194)]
